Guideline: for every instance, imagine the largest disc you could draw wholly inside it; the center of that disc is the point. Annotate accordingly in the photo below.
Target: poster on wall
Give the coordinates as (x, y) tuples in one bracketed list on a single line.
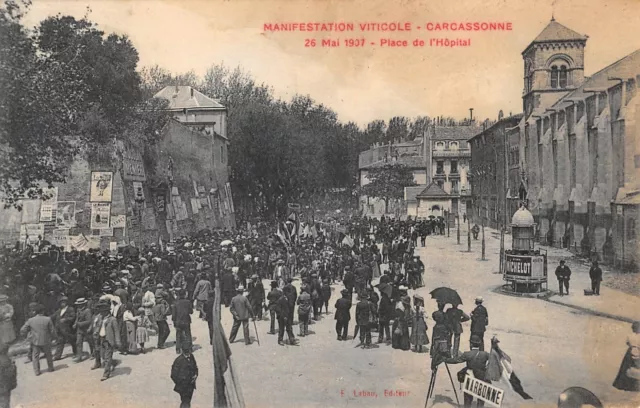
[(100, 214), (195, 205), (118, 221), (106, 232), (66, 214), (229, 197), (138, 191), (101, 186), (149, 219), (31, 230), (48, 206), (30, 211)]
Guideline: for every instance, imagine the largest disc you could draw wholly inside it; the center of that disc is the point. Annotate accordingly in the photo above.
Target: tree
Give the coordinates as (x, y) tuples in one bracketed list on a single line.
[(388, 182), (398, 130)]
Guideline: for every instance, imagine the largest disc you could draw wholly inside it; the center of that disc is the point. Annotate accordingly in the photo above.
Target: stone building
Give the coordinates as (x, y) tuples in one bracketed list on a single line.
[(495, 170), (579, 147), (113, 197), (441, 156)]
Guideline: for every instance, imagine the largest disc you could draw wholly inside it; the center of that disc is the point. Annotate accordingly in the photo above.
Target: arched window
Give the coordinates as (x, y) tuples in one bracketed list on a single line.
[(559, 75), (562, 81), (453, 145), (439, 146), (554, 76)]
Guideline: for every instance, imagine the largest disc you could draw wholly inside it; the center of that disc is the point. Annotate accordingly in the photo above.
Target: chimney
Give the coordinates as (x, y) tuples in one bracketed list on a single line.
[(500, 115), (191, 92), (470, 114)]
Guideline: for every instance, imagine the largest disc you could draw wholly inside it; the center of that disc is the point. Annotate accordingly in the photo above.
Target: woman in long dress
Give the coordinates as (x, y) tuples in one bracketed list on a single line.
[(7, 331), (130, 322), (400, 337), (628, 378), (142, 331), (419, 335)]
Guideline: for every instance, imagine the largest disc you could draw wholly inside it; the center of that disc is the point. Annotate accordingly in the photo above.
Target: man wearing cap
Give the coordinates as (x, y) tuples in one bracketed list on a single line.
[(227, 286), (81, 325), (160, 312), (63, 320), (348, 279), (365, 315), (479, 321), (41, 332), (304, 309), (184, 373), (109, 340), (241, 311), (182, 311), (273, 297), (455, 318), (476, 360), (201, 293), (284, 320), (595, 274), (291, 293), (343, 314), (563, 274), (256, 296)]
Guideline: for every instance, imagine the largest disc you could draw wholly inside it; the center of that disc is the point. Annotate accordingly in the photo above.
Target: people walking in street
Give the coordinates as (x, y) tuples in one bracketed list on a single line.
[(241, 311), (563, 274), (160, 312), (595, 273), (401, 338), (455, 318), (256, 296), (274, 295), (479, 321), (81, 326), (284, 320), (63, 320), (110, 340), (8, 376), (41, 333), (343, 314), (628, 378), (7, 331), (131, 322), (365, 317), (304, 310), (181, 318), (184, 373), (144, 324), (201, 293), (419, 335), (291, 293), (476, 361), (385, 314)]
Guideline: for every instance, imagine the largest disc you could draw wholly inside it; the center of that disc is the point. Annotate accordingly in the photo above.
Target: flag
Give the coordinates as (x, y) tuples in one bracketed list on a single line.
[(348, 241), (281, 235), (499, 367), (227, 392)]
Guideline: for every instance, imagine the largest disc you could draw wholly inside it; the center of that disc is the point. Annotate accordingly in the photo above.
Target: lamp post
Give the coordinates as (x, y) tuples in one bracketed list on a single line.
[(458, 222)]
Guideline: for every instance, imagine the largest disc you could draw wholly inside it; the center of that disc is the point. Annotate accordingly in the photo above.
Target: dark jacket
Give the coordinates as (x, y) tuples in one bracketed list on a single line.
[(183, 373), (8, 375), (256, 292), (273, 297), (83, 320), (595, 273), (385, 309), (455, 318), (563, 272), (479, 319), (282, 307), (240, 308), (343, 309), (291, 293), (364, 309), (182, 313), (476, 361), (63, 324), (226, 282)]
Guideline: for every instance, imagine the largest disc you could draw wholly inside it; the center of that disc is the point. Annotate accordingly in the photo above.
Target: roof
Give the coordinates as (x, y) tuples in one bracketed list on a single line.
[(515, 118), (192, 129), (432, 190), (555, 31), (410, 193), (454, 132), (626, 67), (414, 142), (413, 162), (181, 97)]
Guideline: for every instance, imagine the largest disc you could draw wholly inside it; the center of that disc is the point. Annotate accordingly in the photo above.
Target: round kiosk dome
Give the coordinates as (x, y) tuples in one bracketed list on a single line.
[(522, 218)]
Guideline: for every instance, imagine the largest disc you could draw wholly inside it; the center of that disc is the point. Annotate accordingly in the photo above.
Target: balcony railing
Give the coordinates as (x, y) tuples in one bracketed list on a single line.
[(452, 153)]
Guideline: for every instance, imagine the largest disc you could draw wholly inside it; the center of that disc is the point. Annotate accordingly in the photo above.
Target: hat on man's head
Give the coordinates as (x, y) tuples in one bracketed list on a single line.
[(475, 340), (240, 289), (254, 276), (4, 298), (479, 299), (344, 291), (160, 286), (80, 301)]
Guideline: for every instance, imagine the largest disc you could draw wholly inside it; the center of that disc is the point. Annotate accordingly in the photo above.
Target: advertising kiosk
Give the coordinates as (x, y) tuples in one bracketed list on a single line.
[(525, 268)]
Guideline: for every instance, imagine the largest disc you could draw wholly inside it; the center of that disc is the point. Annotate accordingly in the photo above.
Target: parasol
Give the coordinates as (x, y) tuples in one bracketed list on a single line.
[(446, 295), (226, 242), (385, 288)]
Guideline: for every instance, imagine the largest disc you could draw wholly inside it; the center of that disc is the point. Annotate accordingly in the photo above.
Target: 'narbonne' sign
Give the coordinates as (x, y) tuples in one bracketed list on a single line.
[(481, 390)]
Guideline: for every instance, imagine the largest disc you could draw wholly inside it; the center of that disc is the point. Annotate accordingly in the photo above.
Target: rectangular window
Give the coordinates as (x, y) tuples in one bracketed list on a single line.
[(454, 166), (454, 187), (222, 154), (439, 167), (593, 158)]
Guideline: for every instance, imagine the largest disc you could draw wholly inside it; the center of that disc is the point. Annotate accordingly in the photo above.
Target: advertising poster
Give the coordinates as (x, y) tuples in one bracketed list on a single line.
[(106, 232), (100, 215), (101, 186), (48, 206), (118, 221), (32, 231), (138, 191), (66, 214)]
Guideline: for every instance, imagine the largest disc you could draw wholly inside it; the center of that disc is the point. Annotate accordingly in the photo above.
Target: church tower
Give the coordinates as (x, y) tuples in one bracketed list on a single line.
[(553, 67)]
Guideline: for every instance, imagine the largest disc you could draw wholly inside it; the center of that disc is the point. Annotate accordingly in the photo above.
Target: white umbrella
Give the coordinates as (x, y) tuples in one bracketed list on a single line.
[(226, 242)]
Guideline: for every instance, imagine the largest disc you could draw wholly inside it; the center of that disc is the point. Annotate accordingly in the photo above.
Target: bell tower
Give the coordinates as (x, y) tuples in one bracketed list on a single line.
[(553, 66)]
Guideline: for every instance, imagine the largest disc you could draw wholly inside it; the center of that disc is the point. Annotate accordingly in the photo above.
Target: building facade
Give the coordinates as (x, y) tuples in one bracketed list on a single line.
[(497, 180), (441, 156), (113, 197), (579, 148)]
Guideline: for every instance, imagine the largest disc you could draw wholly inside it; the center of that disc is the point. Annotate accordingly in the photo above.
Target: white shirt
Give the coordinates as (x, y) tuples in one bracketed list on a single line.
[(63, 310), (103, 330)]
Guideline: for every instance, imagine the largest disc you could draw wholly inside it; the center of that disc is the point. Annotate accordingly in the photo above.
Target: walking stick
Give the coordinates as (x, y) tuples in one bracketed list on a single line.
[(255, 326)]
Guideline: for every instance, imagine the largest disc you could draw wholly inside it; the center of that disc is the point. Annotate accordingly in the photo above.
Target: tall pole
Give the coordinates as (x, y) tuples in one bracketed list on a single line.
[(482, 218), (468, 234), (458, 220)]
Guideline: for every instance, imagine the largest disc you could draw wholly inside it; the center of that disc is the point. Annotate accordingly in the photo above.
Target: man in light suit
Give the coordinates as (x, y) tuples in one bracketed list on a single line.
[(109, 335), (241, 311), (41, 331)]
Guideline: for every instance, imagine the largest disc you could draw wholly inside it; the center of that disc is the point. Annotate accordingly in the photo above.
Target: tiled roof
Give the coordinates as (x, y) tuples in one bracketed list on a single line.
[(432, 190), (555, 31), (455, 132), (410, 193), (513, 118), (413, 162), (181, 97), (627, 67)]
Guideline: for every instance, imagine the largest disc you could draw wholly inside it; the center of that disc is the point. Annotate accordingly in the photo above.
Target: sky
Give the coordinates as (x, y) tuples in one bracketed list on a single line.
[(363, 83)]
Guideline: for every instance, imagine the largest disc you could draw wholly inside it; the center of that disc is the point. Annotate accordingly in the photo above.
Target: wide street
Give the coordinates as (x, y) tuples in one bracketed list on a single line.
[(552, 346)]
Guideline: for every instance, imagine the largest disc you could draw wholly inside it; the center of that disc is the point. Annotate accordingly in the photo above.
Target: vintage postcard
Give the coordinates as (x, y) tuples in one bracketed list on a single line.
[(319, 203)]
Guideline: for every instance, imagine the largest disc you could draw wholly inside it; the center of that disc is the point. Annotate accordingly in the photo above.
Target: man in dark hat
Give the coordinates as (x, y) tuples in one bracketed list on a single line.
[(479, 321), (595, 273), (63, 320), (241, 311), (563, 274), (348, 279), (476, 360), (291, 293), (256, 296), (184, 373), (284, 320), (181, 318), (109, 340), (364, 315), (343, 314), (201, 293), (273, 297), (81, 326), (160, 312), (455, 318)]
